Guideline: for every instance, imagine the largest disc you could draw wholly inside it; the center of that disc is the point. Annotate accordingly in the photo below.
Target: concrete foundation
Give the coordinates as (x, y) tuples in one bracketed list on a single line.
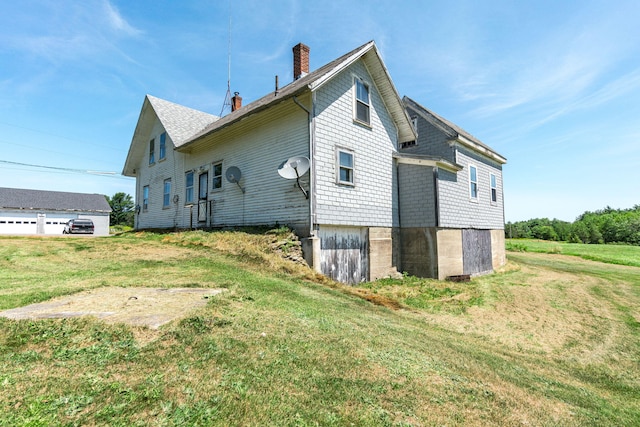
[(450, 260), (498, 255), (381, 253)]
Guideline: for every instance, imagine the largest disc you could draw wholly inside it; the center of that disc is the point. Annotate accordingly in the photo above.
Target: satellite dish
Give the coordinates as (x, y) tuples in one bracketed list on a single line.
[(294, 168), (233, 175)]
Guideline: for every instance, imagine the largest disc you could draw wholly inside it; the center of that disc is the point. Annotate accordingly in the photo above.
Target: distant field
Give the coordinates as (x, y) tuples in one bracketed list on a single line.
[(612, 254), (550, 340)]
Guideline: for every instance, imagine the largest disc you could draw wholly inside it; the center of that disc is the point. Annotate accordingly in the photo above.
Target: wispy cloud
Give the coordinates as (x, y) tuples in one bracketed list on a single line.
[(117, 22)]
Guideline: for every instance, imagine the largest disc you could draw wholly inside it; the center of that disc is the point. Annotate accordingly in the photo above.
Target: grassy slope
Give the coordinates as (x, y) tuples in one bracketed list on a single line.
[(281, 349)]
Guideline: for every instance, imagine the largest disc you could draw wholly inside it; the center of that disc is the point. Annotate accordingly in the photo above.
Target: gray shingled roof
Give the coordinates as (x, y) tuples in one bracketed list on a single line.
[(314, 80), (449, 128), (17, 198), (180, 122)]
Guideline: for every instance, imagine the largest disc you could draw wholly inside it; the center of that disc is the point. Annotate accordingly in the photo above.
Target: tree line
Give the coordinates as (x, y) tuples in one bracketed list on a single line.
[(603, 226)]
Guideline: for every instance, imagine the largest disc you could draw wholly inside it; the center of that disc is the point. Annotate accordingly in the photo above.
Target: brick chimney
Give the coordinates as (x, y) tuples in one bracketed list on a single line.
[(236, 101), (300, 61)]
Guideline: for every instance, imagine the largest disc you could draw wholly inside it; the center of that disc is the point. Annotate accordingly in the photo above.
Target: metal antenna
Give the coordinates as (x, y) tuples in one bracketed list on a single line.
[(227, 99)]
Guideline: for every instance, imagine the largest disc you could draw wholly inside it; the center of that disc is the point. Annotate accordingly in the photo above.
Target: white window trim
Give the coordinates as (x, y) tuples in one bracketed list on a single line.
[(145, 201), (213, 176), (193, 187), (351, 183), (493, 177), (152, 153), (355, 100), (471, 198), (166, 201), (162, 157)]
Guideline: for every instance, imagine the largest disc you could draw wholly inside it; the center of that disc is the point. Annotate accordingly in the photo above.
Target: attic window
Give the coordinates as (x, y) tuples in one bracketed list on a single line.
[(163, 146), (408, 144), (152, 148), (362, 101)]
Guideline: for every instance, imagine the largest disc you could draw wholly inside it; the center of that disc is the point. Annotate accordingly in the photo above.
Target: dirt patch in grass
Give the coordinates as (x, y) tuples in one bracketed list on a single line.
[(146, 307)]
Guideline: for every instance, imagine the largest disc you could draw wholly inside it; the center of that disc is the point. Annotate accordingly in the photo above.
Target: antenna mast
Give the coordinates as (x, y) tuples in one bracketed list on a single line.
[(227, 99)]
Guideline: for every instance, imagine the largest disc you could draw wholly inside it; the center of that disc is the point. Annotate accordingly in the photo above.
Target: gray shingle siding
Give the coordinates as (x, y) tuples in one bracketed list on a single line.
[(372, 201), (417, 198), (440, 138), (432, 140), (457, 209)]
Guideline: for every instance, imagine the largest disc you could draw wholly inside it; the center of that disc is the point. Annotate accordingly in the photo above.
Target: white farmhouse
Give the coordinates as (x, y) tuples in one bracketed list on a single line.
[(196, 170)]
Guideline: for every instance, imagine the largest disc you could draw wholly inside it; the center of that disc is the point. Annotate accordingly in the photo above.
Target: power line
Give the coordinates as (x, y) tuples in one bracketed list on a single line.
[(55, 168)]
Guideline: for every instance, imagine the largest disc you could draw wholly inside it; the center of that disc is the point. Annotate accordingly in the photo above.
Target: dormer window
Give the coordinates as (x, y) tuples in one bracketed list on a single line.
[(362, 101)]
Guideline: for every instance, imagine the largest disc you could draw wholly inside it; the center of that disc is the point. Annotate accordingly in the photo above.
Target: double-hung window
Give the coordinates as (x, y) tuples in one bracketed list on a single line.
[(145, 198), (473, 182), (362, 101), (163, 146), (189, 188), (152, 151), (166, 193), (345, 167), (494, 188), (217, 176)]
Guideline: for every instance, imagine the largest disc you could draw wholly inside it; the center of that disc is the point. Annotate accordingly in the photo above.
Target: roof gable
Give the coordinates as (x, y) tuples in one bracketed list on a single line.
[(316, 79), (17, 198), (179, 122), (454, 131)]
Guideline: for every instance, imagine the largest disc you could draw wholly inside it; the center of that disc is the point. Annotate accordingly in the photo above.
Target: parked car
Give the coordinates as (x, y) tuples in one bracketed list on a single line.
[(78, 226)]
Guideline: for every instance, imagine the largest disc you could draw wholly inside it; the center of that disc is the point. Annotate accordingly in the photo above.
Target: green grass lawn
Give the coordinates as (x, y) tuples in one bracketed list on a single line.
[(613, 254), (546, 341)]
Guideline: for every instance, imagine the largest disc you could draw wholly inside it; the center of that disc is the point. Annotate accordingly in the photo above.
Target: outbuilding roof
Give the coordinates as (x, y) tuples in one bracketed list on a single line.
[(454, 131), (18, 198)]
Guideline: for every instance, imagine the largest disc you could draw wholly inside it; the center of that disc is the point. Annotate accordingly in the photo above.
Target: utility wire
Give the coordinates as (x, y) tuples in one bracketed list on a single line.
[(83, 171)]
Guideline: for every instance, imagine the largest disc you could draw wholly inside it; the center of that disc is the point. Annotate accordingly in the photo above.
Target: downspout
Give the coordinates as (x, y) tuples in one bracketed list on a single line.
[(436, 198), (313, 257), (398, 244), (312, 175)]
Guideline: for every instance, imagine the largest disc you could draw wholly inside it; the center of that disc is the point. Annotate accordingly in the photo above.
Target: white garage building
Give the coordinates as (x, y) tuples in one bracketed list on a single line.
[(37, 212)]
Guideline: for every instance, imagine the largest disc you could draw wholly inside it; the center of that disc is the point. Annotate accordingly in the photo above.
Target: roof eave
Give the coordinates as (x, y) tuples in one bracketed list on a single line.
[(239, 116), (460, 139), (422, 160), (128, 169)]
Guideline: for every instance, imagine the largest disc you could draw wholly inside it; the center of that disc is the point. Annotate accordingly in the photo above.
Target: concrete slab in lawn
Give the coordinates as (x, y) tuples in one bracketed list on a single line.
[(150, 307)]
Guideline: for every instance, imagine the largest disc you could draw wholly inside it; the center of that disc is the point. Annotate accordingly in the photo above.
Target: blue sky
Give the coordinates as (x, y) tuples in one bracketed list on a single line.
[(554, 86)]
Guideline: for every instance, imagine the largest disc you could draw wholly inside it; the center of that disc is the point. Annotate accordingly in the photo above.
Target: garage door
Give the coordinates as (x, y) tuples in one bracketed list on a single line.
[(19, 223)]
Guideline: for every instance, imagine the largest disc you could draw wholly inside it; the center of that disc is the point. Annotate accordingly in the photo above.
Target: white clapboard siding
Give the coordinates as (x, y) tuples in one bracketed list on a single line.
[(257, 148)]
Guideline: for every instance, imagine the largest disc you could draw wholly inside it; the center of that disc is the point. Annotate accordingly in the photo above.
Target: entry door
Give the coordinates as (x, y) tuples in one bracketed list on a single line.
[(203, 191)]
